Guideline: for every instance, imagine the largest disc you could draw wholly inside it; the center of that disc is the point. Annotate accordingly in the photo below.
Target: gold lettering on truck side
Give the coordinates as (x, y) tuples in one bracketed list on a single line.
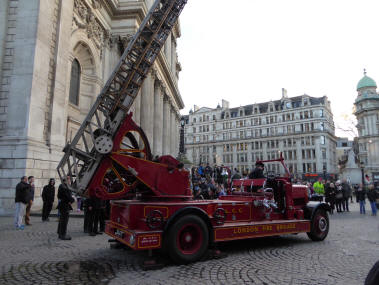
[(285, 227)]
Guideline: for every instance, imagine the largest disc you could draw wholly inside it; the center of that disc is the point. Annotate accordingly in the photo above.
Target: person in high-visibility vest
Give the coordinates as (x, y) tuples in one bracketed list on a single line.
[(318, 187)]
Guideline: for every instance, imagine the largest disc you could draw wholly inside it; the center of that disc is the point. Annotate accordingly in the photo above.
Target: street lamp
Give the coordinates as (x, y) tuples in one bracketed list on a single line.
[(362, 165), (181, 138)]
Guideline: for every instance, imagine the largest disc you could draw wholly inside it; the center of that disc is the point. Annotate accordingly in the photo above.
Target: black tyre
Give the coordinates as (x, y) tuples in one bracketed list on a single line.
[(187, 239), (319, 226)]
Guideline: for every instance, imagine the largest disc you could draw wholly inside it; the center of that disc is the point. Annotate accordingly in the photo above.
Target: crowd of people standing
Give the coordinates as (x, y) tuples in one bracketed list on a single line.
[(94, 208), (339, 194)]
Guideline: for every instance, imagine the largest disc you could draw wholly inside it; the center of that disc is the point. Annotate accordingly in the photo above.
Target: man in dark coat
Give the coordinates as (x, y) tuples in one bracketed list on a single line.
[(346, 191), (236, 174), (94, 209), (21, 200), (208, 171), (48, 194), (373, 276), (30, 200), (66, 199), (258, 171)]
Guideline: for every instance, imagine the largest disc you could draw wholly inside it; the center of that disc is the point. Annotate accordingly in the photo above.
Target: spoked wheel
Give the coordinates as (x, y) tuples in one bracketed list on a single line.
[(319, 226), (135, 143), (187, 239)]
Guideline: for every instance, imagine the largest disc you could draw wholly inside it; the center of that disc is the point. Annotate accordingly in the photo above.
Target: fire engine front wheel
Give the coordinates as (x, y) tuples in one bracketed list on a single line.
[(319, 226), (187, 239)]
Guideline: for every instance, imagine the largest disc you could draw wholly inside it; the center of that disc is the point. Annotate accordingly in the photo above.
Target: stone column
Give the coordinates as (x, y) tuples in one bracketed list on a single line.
[(137, 109), (177, 134), (158, 119), (173, 132), (147, 109), (166, 125)]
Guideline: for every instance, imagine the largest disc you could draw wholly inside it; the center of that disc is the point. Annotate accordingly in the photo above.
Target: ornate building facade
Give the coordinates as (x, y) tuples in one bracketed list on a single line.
[(55, 56), (367, 114), (301, 127)]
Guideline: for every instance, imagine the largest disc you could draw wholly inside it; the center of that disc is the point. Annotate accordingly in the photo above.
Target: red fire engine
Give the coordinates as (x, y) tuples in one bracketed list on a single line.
[(152, 205)]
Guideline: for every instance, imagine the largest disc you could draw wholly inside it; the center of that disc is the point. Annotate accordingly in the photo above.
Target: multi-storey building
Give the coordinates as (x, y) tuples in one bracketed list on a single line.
[(367, 113), (55, 57), (301, 127)]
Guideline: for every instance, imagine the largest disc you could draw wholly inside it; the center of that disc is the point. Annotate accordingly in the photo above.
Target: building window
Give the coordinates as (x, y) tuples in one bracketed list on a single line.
[(75, 83), (321, 113), (322, 139), (323, 153)]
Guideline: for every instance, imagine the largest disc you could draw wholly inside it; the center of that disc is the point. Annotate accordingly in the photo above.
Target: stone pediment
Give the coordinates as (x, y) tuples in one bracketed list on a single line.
[(203, 110)]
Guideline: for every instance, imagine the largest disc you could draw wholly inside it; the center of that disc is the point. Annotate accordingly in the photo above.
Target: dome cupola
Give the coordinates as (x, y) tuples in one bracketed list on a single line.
[(366, 82)]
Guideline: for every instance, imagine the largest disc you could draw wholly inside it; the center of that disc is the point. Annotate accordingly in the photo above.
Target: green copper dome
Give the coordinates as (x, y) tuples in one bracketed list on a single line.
[(366, 82)]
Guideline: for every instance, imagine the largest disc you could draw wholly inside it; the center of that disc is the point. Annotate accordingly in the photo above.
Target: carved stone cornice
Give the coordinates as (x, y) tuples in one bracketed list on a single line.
[(125, 40), (166, 98), (157, 83), (85, 19), (153, 72), (96, 4)]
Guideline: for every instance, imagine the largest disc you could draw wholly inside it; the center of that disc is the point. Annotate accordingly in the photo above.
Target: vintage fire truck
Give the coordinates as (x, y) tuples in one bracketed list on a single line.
[(152, 206)]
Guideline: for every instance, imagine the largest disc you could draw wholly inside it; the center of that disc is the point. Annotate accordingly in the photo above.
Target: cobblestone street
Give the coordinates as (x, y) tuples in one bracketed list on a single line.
[(36, 256)]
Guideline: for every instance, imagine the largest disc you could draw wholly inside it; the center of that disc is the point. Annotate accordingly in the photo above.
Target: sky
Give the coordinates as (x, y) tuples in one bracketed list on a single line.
[(246, 51)]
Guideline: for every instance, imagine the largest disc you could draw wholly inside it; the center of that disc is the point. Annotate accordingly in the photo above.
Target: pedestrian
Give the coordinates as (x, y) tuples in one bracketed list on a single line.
[(66, 199), (21, 200), (87, 216), (208, 171), (339, 196), (236, 174), (220, 190), (200, 170), (361, 198), (346, 191), (30, 200), (94, 205), (224, 175), (318, 188), (330, 195), (373, 275), (78, 203), (257, 173), (371, 196), (355, 187), (218, 175), (102, 216), (48, 195)]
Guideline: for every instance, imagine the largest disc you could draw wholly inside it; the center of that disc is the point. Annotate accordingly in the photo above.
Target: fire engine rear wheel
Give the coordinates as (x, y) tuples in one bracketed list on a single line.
[(319, 226), (187, 239)]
